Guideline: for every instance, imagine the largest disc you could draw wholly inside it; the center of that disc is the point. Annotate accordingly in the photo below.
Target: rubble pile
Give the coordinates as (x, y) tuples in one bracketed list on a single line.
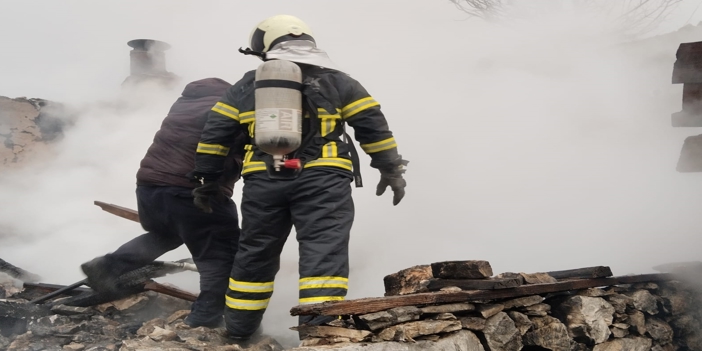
[(26, 126), (459, 305), (140, 319), (146, 321)]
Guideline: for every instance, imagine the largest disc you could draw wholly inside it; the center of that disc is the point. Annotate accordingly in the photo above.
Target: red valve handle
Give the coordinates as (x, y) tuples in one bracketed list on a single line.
[(293, 163)]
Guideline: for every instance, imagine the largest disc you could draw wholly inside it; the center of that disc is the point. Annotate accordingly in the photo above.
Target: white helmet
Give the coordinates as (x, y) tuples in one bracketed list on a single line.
[(278, 29)]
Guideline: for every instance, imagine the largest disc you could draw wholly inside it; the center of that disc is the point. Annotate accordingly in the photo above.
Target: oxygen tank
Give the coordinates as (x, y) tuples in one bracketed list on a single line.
[(278, 109)]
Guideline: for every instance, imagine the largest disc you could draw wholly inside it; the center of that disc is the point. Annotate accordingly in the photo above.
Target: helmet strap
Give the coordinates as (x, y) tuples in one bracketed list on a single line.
[(248, 51)]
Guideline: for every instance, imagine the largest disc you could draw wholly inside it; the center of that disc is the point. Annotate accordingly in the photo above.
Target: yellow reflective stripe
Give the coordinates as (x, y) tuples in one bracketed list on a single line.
[(358, 106), (324, 283), (226, 110), (330, 150), (248, 305), (328, 121), (330, 162), (247, 117), (318, 299), (249, 153), (250, 287), (322, 113), (382, 145), (253, 167), (212, 149)]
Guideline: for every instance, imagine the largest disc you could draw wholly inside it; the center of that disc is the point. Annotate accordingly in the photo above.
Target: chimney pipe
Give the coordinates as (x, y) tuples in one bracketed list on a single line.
[(147, 63), (148, 57)]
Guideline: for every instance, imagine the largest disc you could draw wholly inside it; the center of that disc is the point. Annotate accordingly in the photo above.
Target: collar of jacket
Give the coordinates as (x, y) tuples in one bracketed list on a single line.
[(302, 51)]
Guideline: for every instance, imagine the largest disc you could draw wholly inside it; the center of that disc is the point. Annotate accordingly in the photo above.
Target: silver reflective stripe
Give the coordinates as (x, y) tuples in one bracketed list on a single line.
[(226, 110), (325, 283), (250, 287), (328, 161), (318, 299), (362, 105), (250, 305), (379, 146)]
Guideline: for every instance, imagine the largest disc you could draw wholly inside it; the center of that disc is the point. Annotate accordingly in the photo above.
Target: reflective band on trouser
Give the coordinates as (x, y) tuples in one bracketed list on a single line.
[(330, 150), (250, 296), (247, 305), (250, 287), (321, 289), (324, 282), (379, 146), (358, 106), (212, 149), (331, 162), (320, 299), (226, 110)]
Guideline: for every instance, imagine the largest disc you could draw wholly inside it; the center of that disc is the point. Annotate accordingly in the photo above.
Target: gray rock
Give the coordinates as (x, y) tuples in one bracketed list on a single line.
[(522, 301), (588, 317), (71, 310), (549, 333), (472, 323), (408, 331), (448, 308), (488, 311), (659, 330), (645, 302), (521, 321), (463, 340), (637, 320), (625, 344), (502, 334), (619, 302), (384, 319)]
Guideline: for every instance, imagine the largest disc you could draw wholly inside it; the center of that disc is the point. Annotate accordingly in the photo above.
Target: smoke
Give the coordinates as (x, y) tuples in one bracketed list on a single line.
[(537, 145)]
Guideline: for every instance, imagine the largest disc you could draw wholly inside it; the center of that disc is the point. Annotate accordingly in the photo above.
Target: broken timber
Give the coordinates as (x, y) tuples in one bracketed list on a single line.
[(119, 211), (370, 305), (583, 273)]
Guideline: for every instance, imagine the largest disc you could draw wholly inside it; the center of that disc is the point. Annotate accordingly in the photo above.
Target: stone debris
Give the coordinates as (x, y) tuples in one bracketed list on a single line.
[(663, 314)]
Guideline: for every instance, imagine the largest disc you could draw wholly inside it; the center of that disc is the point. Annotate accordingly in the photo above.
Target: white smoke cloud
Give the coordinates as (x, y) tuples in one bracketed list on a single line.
[(538, 145)]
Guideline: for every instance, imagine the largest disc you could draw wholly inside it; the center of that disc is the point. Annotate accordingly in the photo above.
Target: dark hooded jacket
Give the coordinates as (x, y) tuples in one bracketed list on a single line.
[(172, 154)]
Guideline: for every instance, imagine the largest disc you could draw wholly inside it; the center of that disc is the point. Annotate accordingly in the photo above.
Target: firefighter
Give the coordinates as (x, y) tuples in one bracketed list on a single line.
[(166, 211), (315, 198)]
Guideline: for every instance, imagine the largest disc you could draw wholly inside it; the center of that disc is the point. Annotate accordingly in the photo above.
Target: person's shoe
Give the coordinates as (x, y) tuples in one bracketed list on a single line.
[(99, 276)]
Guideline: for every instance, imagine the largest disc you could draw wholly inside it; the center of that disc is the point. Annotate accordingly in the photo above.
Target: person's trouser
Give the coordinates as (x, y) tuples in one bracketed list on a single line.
[(171, 219), (319, 204)]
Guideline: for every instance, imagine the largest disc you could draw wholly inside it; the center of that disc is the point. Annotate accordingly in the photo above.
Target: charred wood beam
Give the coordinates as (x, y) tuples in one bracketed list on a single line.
[(583, 273), (170, 291), (376, 304)]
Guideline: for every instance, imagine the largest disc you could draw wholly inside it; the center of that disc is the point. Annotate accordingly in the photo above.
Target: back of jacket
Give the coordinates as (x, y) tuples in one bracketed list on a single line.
[(234, 115), (172, 154)]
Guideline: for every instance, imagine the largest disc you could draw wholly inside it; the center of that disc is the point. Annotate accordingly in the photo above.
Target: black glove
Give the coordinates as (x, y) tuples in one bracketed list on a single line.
[(204, 194), (393, 178)]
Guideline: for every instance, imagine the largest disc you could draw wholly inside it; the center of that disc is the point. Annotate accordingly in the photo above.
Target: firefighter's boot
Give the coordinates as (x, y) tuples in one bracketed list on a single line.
[(100, 275)]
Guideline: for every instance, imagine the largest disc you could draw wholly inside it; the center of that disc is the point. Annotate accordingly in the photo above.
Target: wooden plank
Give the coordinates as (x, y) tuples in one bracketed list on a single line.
[(119, 211), (376, 304), (475, 269), (475, 284), (583, 273)]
